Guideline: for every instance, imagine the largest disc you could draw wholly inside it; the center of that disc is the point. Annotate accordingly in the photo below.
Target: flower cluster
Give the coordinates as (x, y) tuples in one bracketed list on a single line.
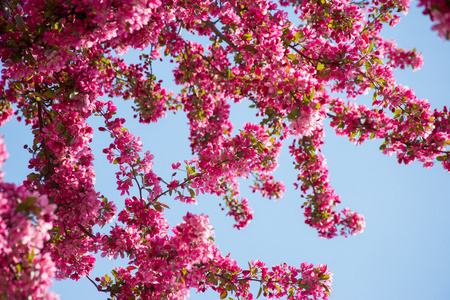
[(319, 212), (439, 11), (308, 121), (268, 187), (25, 221)]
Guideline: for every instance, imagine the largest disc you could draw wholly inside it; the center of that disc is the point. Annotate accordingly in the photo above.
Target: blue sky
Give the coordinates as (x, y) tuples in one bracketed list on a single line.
[(403, 253)]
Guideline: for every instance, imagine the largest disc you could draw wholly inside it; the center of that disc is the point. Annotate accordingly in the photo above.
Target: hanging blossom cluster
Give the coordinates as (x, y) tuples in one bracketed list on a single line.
[(439, 12), (308, 121), (60, 69), (25, 220)]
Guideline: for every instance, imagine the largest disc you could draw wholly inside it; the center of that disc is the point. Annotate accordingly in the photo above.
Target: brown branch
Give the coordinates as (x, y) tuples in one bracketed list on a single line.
[(85, 231), (220, 34), (98, 288)]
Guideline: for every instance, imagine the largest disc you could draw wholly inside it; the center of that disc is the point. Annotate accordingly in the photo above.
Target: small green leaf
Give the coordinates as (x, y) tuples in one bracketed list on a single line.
[(247, 37), (378, 60), (441, 158), (320, 66), (371, 46), (30, 200), (59, 127), (33, 176), (305, 99), (374, 97), (291, 56), (114, 272), (294, 114), (311, 94), (31, 256), (49, 94), (259, 292)]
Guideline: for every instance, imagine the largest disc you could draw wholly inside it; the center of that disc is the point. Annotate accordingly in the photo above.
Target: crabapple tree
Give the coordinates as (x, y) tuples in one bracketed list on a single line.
[(60, 67)]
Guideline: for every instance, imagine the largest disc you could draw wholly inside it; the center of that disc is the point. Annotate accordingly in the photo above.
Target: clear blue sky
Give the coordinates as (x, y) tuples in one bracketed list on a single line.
[(404, 251)]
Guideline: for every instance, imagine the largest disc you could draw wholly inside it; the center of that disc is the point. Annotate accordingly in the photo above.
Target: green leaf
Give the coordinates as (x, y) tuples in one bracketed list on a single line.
[(247, 37), (291, 56), (223, 294), (107, 278), (324, 74), (49, 94), (371, 46), (374, 96), (441, 158), (114, 272), (378, 60), (305, 99), (311, 94), (294, 114), (30, 200), (59, 127), (31, 255), (33, 176), (259, 292), (320, 66)]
